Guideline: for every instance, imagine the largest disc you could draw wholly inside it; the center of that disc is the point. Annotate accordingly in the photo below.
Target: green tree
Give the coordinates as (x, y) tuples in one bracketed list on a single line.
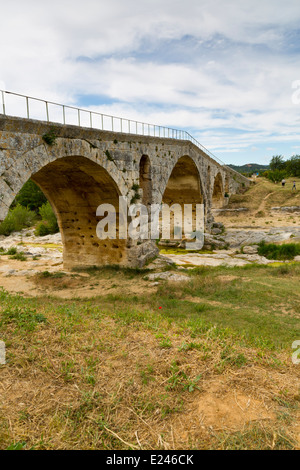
[(293, 166), (277, 163), (30, 196)]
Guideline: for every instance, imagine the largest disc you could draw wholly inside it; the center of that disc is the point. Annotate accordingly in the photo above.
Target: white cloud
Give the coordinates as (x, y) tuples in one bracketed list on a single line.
[(236, 72)]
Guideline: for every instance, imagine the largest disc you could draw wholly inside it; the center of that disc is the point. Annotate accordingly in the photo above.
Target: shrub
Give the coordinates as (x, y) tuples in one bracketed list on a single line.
[(18, 218), (280, 252), (42, 229), (50, 137), (12, 251), (48, 224)]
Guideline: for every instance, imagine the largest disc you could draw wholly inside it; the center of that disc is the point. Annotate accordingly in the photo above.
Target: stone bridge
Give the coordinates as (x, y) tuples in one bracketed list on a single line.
[(80, 168)]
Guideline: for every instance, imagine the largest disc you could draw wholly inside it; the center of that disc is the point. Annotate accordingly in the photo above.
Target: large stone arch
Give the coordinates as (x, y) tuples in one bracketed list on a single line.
[(184, 187), (218, 191), (75, 187)]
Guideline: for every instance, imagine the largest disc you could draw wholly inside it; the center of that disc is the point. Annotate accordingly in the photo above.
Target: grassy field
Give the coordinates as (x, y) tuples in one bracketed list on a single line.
[(259, 199), (206, 364)]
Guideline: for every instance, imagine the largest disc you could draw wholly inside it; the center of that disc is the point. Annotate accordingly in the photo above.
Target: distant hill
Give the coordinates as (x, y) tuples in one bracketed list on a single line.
[(249, 167)]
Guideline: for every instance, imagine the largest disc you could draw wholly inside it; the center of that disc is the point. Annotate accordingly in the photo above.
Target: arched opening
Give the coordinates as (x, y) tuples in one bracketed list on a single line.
[(184, 187), (145, 180), (218, 192), (75, 187)]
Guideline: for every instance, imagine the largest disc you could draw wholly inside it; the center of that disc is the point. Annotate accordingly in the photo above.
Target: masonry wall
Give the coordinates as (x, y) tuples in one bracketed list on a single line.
[(84, 166)]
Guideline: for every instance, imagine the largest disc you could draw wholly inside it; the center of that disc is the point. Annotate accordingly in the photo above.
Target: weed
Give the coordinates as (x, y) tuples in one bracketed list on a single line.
[(50, 137), (19, 256), (24, 318), (109, 157)]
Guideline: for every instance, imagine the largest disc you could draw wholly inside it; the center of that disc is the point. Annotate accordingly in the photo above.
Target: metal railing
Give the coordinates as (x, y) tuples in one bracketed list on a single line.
[(36, 108)]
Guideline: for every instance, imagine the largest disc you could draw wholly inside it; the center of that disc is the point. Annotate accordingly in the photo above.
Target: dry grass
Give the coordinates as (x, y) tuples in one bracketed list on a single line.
[(108, 374), (258, 200)]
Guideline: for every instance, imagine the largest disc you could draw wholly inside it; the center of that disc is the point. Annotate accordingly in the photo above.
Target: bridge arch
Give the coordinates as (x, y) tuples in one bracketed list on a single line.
[(184, 187), (145, 176), (75, 187), (218, 191)]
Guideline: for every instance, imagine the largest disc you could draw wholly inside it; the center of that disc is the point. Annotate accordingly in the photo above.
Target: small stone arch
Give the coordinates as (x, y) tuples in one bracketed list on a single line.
[(145, 179), (218, 192)]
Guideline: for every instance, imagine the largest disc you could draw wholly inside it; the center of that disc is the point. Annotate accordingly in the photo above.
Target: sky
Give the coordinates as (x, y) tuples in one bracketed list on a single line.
[(228, 72)]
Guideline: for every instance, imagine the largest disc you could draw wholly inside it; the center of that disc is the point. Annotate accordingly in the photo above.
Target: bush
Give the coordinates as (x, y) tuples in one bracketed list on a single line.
[(48, 224), (42, 229), (276, 175), (280, 252), (18, 218)]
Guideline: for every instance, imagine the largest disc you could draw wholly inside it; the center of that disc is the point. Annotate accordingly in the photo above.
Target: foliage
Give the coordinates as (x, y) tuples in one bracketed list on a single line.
[(49, 222), (280, 169), (293, 166), (277, 163), (281, 252), (18, 218), (30, 196), (50, 137), (275, 175)]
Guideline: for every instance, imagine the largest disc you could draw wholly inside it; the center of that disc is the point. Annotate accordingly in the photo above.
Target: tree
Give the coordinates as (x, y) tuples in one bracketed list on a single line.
[(277, 163), (293, 166), (30, 196)]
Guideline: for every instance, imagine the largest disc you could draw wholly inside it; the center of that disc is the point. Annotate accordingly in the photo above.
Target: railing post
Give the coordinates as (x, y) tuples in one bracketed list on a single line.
[(3, 102), (27, 106), (64, 115), (79, 117), (47, 111), (91, 120)]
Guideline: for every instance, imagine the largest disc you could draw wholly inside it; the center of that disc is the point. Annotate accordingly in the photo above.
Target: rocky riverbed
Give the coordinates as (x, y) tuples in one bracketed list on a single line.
[(231, 247)]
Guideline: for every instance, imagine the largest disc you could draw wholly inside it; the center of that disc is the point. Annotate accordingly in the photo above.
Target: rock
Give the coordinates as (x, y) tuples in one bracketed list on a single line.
[(218, 225), (239, 209), (257, 259), (297, 258), (286, 208), (168, 276), (216, 231), (250, 250), (169, 244), (210, 240)]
